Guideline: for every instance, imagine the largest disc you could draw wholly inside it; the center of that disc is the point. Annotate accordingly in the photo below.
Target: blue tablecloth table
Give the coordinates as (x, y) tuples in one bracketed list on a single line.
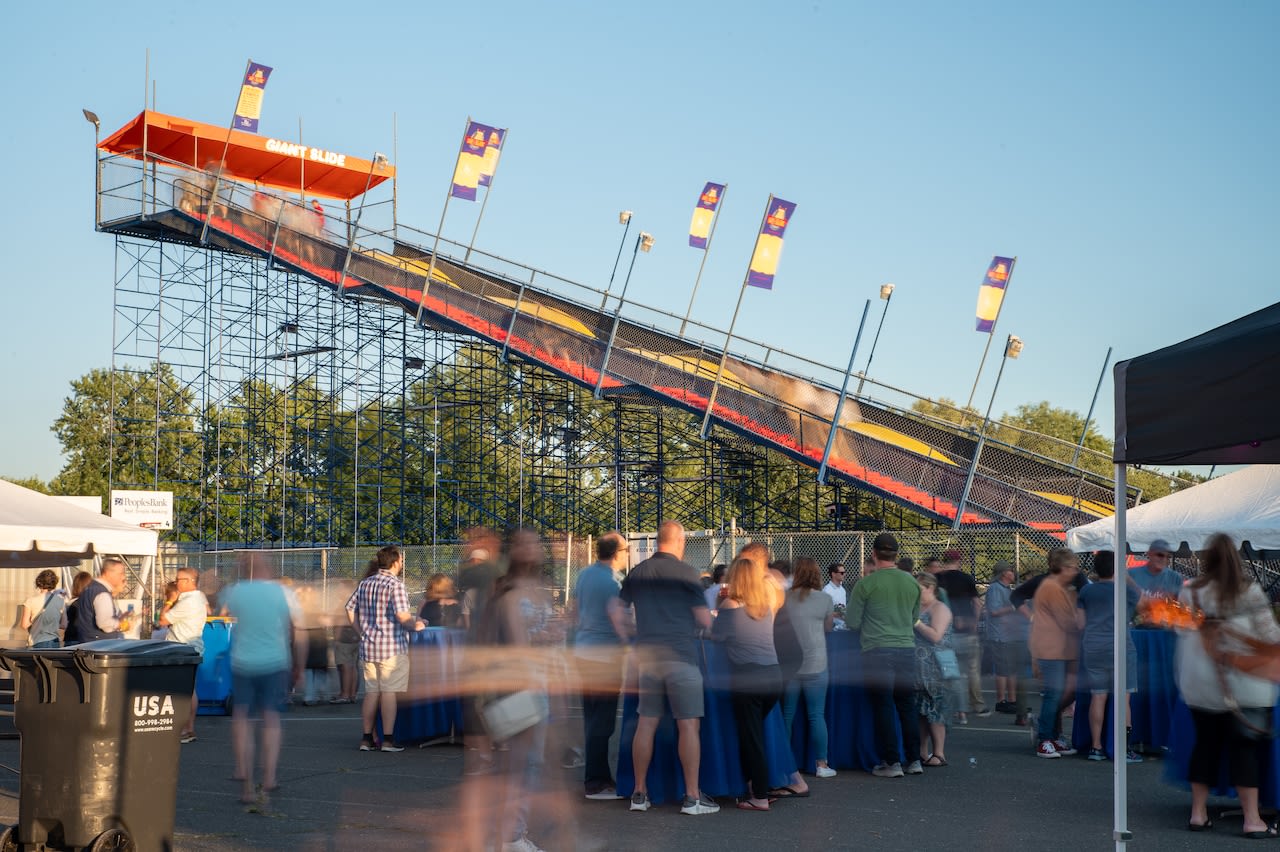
[(432, 707)]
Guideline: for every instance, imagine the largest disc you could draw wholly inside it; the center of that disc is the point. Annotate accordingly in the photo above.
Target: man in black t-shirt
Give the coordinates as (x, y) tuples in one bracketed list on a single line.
[(962, 597), (670, 610)]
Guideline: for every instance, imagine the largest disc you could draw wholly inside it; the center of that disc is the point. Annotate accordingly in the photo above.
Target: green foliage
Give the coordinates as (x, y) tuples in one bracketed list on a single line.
[(33, 482)]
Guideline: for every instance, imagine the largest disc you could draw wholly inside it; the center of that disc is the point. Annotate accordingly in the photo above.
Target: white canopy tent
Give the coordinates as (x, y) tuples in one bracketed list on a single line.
[(38, 531), (1244, 504)]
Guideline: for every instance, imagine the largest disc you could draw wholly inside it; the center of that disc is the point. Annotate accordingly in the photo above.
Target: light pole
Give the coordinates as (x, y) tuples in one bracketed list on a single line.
[(644, 242), (886, 293), (92, 118), (1012, 349), (624, 218)]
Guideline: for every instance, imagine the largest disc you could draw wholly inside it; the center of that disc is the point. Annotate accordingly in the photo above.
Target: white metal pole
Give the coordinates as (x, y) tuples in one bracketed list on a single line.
[(1120, 639), (835, 418)]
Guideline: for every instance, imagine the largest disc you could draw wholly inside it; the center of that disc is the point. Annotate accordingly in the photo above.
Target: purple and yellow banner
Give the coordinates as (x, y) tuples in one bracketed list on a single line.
[(704, 213), (466, 175), (764, 260), (249, 104), (492, 150), (991, 294)]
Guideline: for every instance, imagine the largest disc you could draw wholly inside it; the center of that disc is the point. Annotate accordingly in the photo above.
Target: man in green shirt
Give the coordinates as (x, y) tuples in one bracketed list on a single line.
[(884, 606)]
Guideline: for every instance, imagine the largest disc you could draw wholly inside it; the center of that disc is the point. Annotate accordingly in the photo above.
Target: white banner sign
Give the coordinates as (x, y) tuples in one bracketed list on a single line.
[(144, 508)]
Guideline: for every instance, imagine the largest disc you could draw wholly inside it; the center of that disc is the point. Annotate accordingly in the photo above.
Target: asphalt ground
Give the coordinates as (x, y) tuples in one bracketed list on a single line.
[(995, 795)]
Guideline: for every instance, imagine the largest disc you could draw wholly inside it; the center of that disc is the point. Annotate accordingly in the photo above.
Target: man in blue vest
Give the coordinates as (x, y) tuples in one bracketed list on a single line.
[(96, 614)]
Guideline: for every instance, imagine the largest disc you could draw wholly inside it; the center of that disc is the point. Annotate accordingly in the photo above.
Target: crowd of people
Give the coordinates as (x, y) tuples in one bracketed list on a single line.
[(923, 637)]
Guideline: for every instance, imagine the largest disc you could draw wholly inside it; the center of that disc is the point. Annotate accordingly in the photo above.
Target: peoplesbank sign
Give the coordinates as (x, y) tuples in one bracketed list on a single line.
[(143, 508)]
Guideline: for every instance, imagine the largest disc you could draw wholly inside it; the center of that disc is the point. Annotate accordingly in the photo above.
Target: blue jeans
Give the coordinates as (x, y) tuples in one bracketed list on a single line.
[(1053, 680), (814, 688), (51, 643)]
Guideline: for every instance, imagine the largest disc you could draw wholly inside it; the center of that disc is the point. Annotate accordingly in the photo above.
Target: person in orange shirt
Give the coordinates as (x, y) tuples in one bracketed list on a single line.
[(1055, 647)]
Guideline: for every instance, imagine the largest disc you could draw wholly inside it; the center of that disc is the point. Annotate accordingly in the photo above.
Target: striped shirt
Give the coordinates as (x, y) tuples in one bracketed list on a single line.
[(375, 603)]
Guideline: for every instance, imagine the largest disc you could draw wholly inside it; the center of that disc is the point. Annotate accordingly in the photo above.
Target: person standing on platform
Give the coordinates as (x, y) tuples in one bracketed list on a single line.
[(597, 650), (96, 615), (379, 611), (1097, 601), (268, 647), (1055, 647), (834, 588), (670, 611), (962, 598), (1157, 577), (1009, 631), (185, 618), (884, 606)]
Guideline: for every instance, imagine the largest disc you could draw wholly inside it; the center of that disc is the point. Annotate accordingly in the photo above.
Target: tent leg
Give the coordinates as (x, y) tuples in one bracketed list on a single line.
[(1120, 640)]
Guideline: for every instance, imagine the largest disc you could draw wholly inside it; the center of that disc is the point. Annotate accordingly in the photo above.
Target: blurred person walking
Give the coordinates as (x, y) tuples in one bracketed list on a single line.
[(268, 647), (1055, 647)]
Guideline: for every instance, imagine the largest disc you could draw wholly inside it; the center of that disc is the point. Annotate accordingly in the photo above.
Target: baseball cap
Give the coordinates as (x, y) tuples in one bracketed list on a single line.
[(952, 556), (885, 543), (1159, 546)]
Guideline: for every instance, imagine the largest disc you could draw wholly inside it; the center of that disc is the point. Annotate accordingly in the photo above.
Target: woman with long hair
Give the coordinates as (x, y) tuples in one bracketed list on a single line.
[(812, 614), (1231, 710), (934, 693), (519, 615), (745, 625)]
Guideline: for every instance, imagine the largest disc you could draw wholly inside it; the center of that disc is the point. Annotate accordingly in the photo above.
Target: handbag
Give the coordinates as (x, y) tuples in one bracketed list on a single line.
[(510, 714), (948, 662)]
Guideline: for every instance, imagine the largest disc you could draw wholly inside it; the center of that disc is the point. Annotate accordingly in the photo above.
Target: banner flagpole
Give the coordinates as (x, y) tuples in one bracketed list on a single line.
[(724, 356), (488, 189), (431, 267), (226, 145), (724, 190), (992, 333)]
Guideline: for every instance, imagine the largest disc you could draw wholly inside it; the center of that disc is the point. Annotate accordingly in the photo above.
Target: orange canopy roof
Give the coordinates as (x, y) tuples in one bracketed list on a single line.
[(276, 163)]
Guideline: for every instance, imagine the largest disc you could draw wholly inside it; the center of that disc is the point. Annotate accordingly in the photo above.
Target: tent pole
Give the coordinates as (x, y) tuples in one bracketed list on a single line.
[(1120, 640)]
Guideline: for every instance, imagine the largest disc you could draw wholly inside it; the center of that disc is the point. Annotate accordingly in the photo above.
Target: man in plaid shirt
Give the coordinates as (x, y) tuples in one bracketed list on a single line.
[(379, 611)]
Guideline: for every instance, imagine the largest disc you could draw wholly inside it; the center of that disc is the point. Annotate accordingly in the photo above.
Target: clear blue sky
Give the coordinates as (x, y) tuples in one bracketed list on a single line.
[(1125, 152)]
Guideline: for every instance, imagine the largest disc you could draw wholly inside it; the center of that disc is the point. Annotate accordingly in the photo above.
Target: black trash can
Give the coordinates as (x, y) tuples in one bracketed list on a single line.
[(99, 724)]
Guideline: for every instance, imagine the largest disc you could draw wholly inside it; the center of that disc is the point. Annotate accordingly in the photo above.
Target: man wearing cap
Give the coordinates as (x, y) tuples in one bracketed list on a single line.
[(1009, 630), (962, 598), (884, 606), (1157, 577)]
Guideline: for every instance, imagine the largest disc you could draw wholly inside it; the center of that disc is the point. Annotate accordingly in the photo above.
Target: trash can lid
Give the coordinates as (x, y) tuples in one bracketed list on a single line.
[(110, 653)]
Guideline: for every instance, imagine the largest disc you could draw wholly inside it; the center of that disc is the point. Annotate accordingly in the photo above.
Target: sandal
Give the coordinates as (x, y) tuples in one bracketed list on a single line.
[(934, 760), (1269, 833), (788, 793), (1200, 826), (746, 805)]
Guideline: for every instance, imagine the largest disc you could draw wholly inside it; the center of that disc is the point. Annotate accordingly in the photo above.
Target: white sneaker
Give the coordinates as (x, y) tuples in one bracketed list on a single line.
[(1046, 749), (704, 804), (914, 768), (521, 844), (888, 770), (640, 801), (825, 772), (606, 794)]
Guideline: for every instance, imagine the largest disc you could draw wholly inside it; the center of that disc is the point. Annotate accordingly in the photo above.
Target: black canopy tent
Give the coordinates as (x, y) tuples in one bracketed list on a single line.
[(1212, 399)]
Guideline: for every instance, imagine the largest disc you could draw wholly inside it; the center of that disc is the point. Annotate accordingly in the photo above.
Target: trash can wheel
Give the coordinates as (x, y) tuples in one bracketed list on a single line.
[(9, 839), (113, 840)]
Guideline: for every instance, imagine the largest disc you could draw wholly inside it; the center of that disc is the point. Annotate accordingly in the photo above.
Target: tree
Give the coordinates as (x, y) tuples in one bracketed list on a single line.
[(35, 483), (146, 439), (946, 409)]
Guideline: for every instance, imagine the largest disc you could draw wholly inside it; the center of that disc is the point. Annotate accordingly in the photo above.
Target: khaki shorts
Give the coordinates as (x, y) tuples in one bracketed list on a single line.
[(679, 683), (389, 675)]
